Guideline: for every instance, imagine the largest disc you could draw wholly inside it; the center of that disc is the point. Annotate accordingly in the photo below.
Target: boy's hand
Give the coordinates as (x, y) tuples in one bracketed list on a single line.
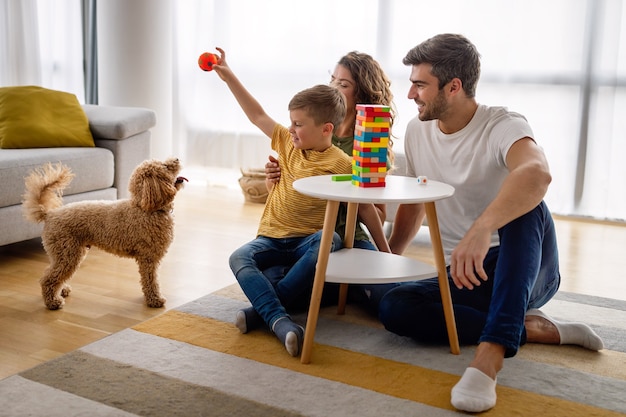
[(250, 106), (221, 67)]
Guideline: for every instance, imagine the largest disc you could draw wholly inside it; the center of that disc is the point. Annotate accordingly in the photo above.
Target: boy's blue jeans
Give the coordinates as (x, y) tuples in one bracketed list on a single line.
[(367, 295), (269, 298), (523, 273)]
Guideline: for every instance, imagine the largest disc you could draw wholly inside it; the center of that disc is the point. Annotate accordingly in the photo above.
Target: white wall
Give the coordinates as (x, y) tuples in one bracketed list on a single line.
[(135, 61)]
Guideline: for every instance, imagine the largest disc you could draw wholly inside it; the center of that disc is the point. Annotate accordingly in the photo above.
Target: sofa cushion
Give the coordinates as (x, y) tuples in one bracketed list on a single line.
[(93, 169), (115, 122), (36, 117)]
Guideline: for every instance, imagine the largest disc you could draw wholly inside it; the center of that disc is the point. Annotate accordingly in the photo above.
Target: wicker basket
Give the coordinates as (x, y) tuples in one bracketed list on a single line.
[(252, 183)]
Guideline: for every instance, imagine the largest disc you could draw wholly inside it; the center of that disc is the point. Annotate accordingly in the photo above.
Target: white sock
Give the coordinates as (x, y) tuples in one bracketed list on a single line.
[(573, 333), (475, 392)]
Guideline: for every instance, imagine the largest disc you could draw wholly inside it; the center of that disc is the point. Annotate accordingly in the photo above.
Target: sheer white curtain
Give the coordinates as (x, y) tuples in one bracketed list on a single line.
[(41, 44), (547, 60), (276, 47), (19, 43), (561, 63)]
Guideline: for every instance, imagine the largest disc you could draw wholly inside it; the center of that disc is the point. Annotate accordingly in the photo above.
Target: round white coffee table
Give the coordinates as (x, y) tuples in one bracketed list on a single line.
[(360, 266)]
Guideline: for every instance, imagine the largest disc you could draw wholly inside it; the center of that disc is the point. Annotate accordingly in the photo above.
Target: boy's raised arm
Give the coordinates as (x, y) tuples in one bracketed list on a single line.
[(248, 103)]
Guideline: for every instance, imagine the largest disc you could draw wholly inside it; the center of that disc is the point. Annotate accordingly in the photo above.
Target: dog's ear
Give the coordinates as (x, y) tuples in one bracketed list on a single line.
[(154, 193)]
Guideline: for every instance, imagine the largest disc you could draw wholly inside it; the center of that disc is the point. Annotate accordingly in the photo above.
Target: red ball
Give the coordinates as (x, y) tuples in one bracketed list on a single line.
[(206, 61)]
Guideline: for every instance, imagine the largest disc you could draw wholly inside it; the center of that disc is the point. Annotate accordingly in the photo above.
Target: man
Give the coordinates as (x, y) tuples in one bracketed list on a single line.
[(498, 234)]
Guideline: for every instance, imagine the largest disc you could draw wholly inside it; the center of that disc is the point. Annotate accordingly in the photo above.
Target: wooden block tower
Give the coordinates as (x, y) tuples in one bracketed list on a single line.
[(371, 140)]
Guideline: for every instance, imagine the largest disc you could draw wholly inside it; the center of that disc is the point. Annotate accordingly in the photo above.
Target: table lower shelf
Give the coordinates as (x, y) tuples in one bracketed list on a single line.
[(363, 266)]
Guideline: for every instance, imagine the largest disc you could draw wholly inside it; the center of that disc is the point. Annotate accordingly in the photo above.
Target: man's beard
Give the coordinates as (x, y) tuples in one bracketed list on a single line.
[(435, 109)]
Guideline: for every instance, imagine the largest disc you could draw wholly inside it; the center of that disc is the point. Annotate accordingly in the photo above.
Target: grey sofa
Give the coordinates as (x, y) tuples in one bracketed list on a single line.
[(122, 139)]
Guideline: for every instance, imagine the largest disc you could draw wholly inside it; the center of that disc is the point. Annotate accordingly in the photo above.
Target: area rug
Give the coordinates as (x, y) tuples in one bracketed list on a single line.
[(192, 361)]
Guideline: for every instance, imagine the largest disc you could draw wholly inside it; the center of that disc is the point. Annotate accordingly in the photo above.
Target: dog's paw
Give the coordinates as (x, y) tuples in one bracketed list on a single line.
[(55, 304), (156, 302), (65, 291)]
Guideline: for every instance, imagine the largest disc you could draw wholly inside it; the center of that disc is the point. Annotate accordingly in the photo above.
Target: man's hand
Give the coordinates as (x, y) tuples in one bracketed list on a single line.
[(467, 258)]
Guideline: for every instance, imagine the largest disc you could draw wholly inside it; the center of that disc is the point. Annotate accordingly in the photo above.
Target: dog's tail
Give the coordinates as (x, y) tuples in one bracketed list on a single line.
[(44, 188)]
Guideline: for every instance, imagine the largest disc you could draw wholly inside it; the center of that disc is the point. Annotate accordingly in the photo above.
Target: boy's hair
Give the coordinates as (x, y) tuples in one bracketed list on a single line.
[(451, 56), (323, 103)]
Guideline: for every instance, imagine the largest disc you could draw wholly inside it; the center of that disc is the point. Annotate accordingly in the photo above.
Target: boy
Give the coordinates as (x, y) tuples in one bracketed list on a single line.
[(290, 228)]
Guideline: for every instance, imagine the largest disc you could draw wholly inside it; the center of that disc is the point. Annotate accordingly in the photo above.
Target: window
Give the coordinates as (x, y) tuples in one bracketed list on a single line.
[(561, 63)]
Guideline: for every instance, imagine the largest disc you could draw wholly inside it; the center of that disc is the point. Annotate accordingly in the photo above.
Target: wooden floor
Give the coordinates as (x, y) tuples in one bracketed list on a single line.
[(211, 222)]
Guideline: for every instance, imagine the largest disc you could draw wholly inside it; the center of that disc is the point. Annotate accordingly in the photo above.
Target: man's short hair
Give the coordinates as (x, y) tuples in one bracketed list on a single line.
[(451, 56)]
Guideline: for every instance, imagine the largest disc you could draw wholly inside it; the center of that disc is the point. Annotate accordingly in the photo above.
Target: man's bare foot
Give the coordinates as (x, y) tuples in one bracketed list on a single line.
[(489, 359), (541, 330)]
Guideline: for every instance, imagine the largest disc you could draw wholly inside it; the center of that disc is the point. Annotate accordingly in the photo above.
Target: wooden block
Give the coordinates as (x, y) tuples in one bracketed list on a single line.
[(342, 177)]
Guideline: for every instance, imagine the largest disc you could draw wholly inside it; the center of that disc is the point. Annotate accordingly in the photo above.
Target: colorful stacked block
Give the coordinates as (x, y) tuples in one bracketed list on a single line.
[(371, 140)]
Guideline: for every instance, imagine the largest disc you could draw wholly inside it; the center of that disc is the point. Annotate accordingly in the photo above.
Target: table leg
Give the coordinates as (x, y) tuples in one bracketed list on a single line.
[(348, 242), (442, 274), (330, 219)]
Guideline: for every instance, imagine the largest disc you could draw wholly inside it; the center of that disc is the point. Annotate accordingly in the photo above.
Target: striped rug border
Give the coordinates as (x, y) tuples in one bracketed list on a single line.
[(393, 378), (196, 347)]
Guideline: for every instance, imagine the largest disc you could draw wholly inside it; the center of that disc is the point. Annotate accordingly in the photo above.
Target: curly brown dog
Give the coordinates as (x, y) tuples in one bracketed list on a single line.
[(141, 227)]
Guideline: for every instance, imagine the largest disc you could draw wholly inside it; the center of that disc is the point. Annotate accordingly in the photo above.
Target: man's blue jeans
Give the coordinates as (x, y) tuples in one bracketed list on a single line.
[(269, 298), (523, 273)]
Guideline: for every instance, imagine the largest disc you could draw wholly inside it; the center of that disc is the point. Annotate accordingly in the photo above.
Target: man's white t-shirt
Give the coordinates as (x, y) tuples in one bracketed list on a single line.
[(472, 160)]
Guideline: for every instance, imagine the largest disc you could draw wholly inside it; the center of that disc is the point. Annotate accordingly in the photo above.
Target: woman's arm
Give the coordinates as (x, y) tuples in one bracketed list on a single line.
[(369, 217), (381, 210), (409, 218)]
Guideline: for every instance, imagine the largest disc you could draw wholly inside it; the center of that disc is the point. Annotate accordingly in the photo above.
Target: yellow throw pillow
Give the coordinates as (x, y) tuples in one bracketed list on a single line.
[(36, 117)]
